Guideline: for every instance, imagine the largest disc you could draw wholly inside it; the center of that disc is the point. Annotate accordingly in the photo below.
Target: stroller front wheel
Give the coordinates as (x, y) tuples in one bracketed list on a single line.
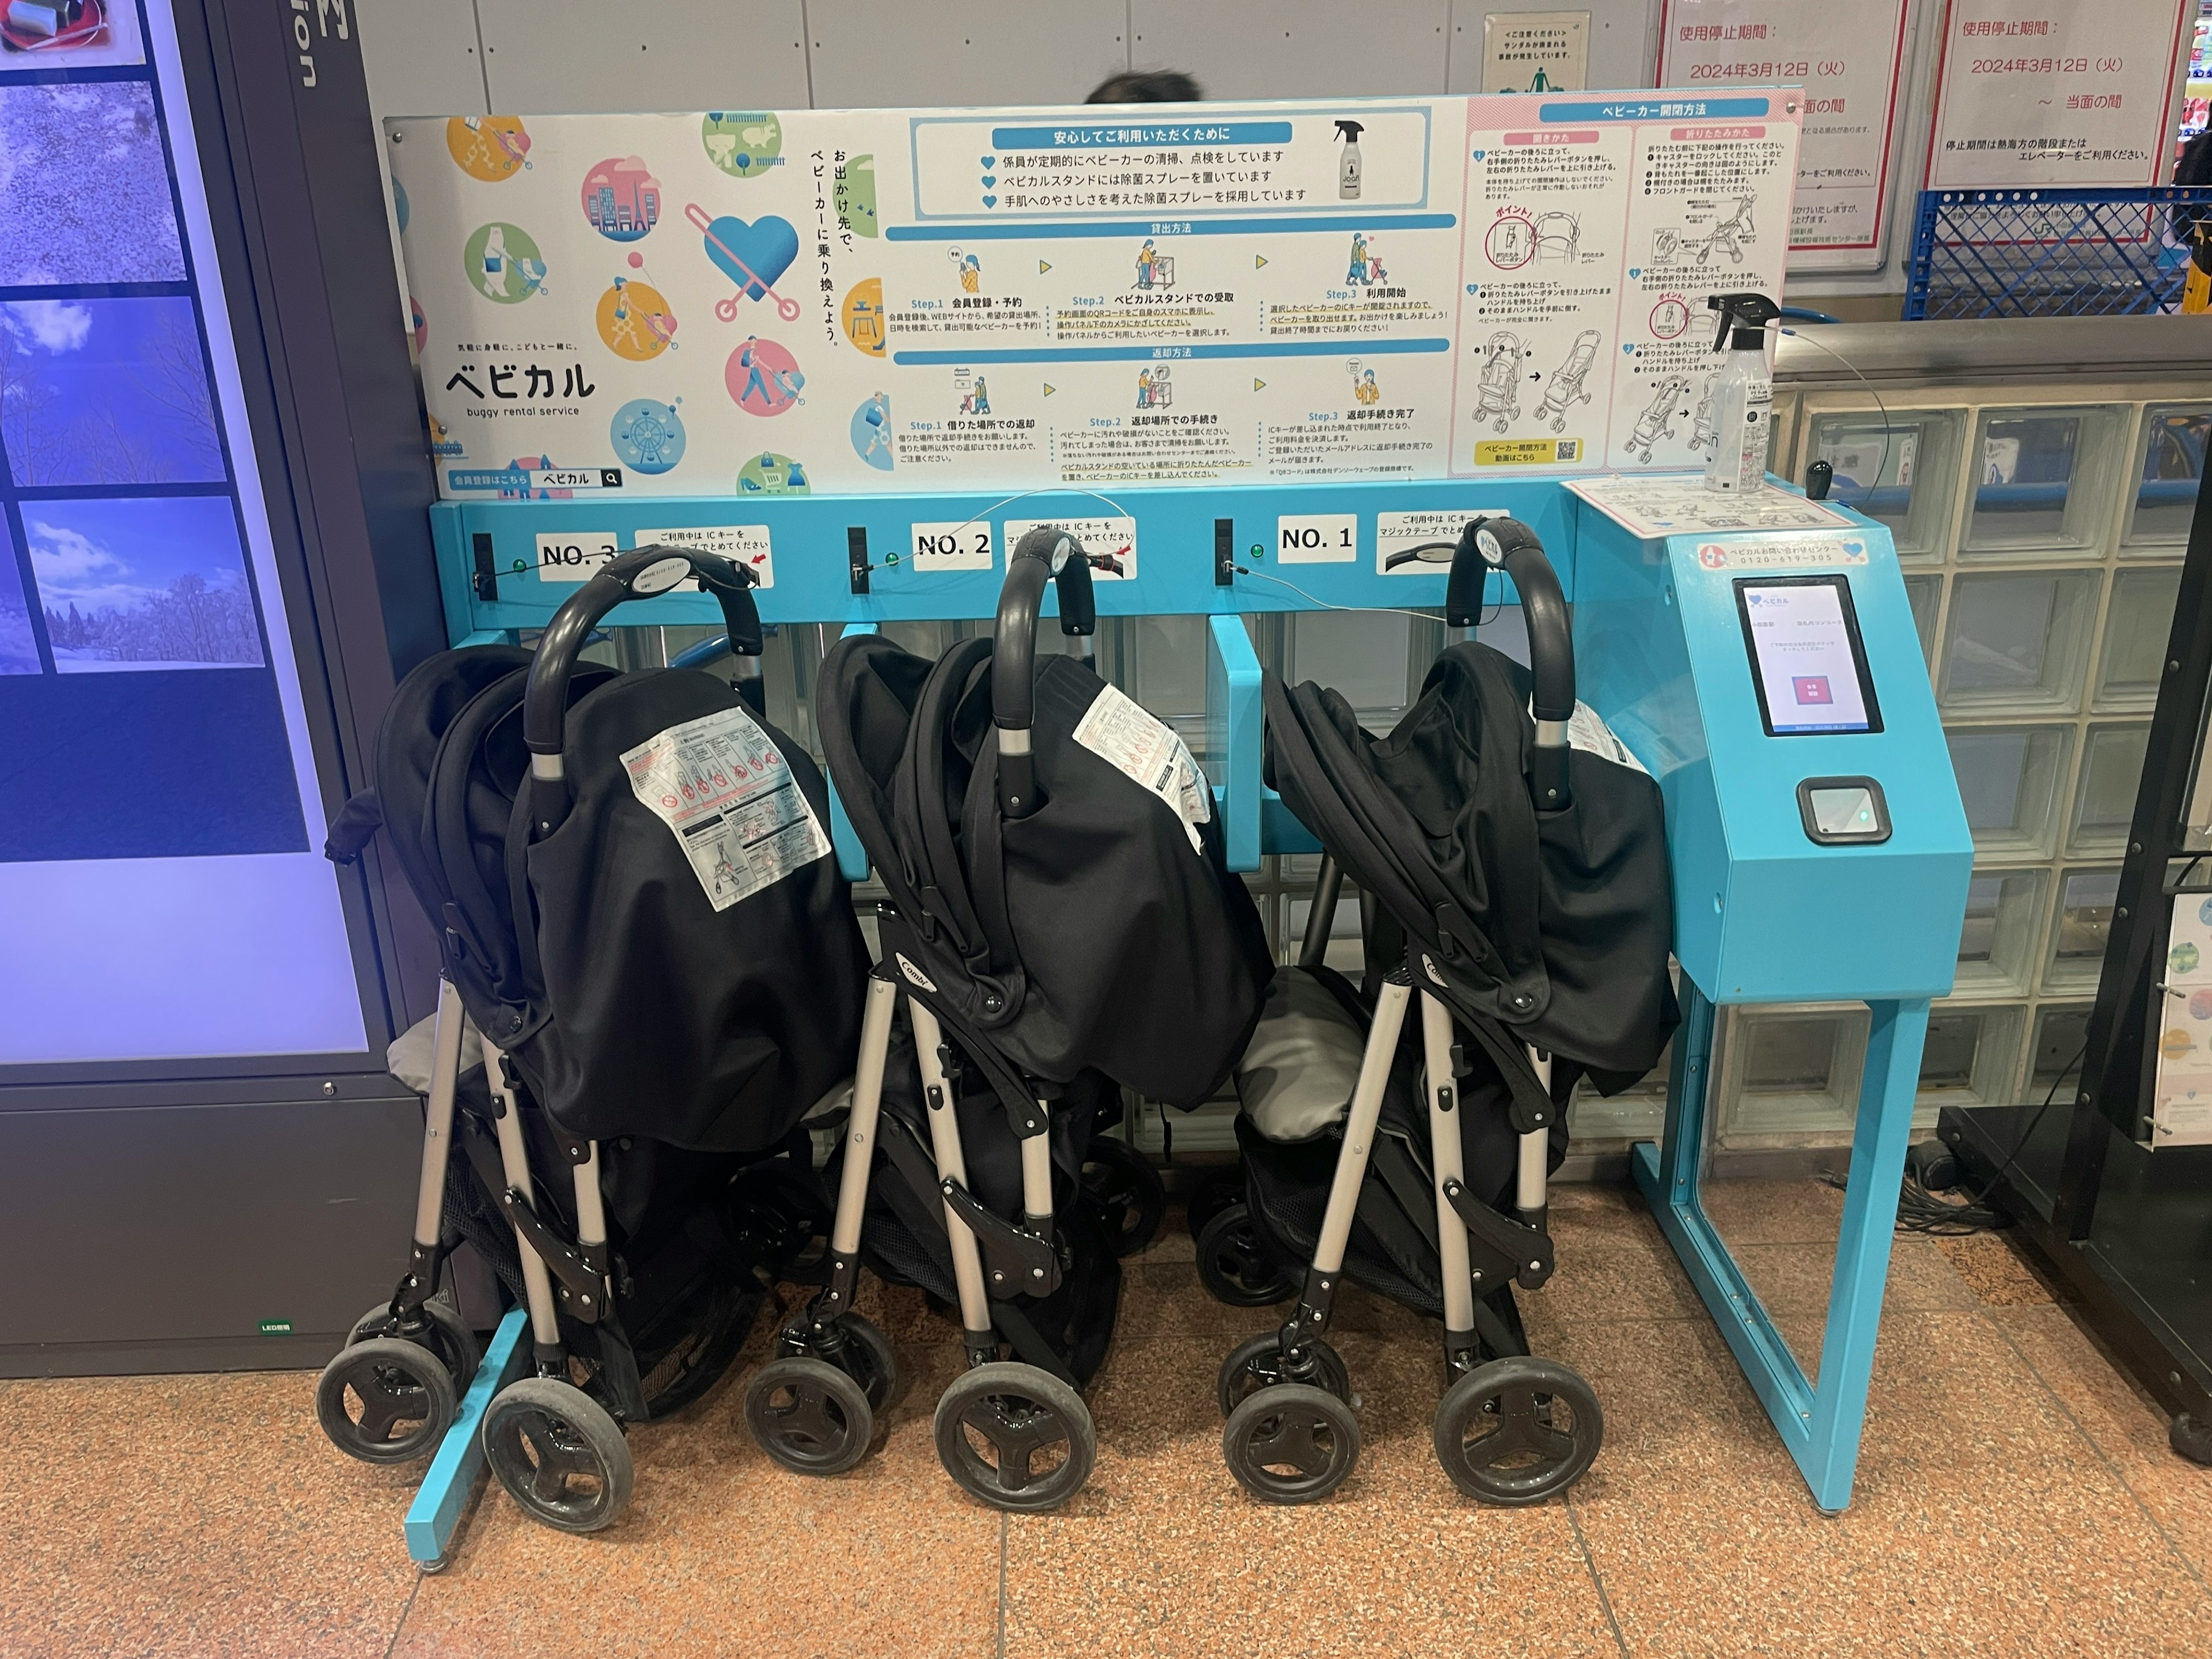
[(1235, 1264), (1517, 1430), (1292, 1443), (1015, 1437), (559, 1454), (385, 1401), (443, 1332), (1257, 1364), (811, 1416)]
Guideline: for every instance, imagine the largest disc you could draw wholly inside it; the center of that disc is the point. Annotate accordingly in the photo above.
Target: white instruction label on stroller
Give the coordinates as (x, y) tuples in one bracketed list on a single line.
[(1397, 535), (723, 788), (1111, 544), (1119, 731), (741, 543), (1587, 731)]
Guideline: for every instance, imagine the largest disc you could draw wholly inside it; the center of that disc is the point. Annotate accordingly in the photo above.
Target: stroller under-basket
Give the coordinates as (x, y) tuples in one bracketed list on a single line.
[(651, 970), (1511, 859), (1060, 923)]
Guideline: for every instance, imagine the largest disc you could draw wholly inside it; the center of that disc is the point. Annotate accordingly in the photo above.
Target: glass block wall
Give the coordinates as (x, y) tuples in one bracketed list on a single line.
[(2041, 535)]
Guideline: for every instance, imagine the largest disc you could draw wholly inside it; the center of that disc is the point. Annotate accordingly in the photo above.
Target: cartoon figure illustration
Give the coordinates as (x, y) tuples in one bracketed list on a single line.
[(498, 273), (749, 359), (1143, 388), (488, 147), (980, 397), (1657, 420), (1565, 389), (1358, 271), (970, 269), (1499, 390), (646, 331), (871, 432), (1364, 392), (1147, 259)]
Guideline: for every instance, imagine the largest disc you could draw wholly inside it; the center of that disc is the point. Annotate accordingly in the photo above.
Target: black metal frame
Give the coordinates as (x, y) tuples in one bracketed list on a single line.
[(2119, 1061)]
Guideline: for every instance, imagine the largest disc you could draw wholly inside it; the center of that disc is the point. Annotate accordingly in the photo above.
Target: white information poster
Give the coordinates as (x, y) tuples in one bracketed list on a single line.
[(1851, 60), (2056, 92), (2182, 1101), (758, 303), (1536, 51)]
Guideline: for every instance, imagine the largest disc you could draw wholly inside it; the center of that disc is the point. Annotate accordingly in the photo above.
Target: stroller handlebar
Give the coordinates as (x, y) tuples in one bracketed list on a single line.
[(642, 573), (1514, 547), (1047, 553)]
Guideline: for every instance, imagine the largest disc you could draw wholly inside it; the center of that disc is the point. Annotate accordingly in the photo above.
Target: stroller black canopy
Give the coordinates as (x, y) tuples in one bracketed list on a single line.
[(1053, 847), (1549, 929)]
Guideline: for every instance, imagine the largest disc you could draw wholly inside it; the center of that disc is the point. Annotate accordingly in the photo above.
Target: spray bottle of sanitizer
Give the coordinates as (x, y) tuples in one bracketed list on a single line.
[(1347, 166), (1743, 393)]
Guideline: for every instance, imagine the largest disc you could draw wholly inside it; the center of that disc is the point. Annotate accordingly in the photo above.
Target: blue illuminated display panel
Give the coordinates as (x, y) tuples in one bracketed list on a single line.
[(159, 815)]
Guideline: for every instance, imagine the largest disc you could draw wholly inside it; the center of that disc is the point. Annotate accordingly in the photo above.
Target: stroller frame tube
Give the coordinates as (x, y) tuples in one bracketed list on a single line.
[(1530, 1193), (514, 1163), (438, 1119), (952, 1164), (1447, 1155), (1036, 1178), (860, 1130), (1360, 1126)]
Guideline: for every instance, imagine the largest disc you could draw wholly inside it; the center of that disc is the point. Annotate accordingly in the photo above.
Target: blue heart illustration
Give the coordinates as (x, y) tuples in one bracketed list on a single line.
[(990, 201), (1630, 350), (764, 248), (989, 180), (988, 161), (1633, 271)]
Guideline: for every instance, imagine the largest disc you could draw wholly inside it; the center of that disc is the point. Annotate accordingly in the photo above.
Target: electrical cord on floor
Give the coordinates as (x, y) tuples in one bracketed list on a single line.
[(1930, 1213)]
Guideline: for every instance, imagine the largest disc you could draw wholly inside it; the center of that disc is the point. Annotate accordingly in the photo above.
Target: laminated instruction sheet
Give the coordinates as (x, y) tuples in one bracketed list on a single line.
[(722, 787), (741, 303)]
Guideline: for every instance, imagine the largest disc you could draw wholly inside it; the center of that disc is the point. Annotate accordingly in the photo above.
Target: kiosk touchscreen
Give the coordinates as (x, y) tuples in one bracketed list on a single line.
[(1807, 660)]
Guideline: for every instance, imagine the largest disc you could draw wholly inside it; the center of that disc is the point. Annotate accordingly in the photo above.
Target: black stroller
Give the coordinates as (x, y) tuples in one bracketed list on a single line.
[(1512, 862), (1062, 923), (651, 972)]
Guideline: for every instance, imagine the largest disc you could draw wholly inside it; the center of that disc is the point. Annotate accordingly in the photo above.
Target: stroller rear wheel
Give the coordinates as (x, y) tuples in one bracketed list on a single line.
[(1292, 1443), (870, 1360), (1235, 1264), (384, 1401), (443, 1332), (1016, 1437), (1517, 1430), (1257, 1364), (1213, 1194), (559, 1454), (810, 1415), (1122, 1179)]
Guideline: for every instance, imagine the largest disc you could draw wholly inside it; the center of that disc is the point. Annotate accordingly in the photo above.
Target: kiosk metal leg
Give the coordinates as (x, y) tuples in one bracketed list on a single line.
[(1819, 1422)]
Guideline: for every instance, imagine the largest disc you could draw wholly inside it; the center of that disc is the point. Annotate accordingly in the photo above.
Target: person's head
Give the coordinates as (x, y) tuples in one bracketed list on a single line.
[(1151, 87)]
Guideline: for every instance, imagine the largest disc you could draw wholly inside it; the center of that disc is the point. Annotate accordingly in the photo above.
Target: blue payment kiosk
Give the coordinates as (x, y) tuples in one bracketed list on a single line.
[(1772, 683)]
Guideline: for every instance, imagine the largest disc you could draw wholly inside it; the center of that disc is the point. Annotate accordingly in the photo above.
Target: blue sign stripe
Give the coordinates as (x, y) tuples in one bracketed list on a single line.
[(1659, 108), (1140, 135), (1135, 353), (1010, 230)]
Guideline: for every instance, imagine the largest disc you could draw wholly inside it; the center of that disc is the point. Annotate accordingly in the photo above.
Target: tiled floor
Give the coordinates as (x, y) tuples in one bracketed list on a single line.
[(2016, 1496)]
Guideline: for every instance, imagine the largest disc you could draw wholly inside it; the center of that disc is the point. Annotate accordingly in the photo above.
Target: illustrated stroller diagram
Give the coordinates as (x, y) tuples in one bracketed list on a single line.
[(1657, 420), (1557, 237), (1062, 924), (1565, 388), (1518, 882), (1500, 389), (1701, 425), (622, 1045), (1724, 236)]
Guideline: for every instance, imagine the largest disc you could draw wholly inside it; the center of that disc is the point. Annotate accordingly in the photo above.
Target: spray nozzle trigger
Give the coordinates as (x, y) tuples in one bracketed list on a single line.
[(1749, 314), (1350, 131)]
